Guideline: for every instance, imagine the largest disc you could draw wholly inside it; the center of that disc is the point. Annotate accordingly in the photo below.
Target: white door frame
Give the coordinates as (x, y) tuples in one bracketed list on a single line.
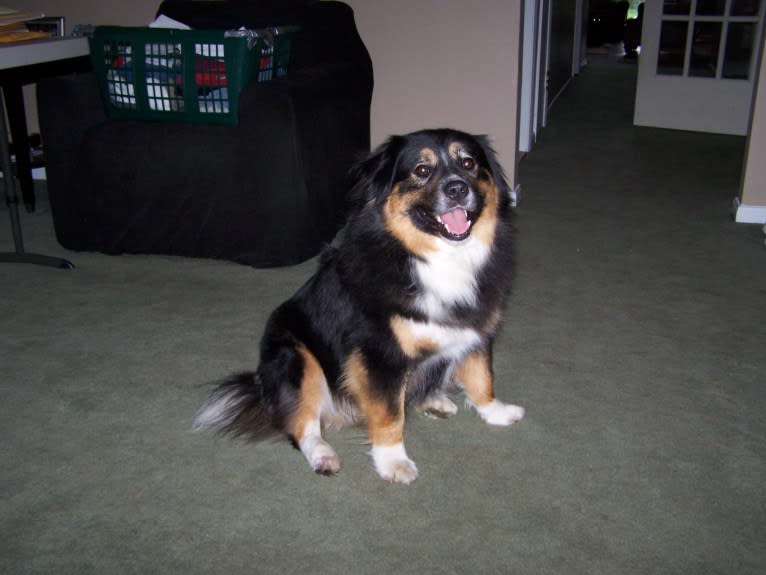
[(705, 104), (534, 71)]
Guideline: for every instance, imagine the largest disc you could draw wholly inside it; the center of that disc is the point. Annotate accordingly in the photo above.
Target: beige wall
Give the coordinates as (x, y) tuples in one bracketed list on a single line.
[(445, 63), (754, 178)]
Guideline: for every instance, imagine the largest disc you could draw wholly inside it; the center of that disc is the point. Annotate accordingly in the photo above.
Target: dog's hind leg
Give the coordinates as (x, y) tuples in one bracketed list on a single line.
[(438, 405), (430, 392), (305, 425), (474, 374)]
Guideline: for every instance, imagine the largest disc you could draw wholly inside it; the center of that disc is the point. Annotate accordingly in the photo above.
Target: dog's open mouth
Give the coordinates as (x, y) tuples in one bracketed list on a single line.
[(455, 224)]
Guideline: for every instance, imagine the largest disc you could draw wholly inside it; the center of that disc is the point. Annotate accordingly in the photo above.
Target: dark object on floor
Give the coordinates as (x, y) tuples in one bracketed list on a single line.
[(270, 191)]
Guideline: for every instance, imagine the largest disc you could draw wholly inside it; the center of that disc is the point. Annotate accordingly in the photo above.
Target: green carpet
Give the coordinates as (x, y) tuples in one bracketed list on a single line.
[(635, 338)]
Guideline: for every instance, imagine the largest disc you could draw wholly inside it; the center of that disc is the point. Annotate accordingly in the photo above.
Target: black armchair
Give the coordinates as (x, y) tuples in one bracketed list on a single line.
[(269, 191)]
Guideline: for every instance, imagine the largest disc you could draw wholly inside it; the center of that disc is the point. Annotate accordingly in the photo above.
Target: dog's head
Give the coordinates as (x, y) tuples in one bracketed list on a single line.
[(432, 186)]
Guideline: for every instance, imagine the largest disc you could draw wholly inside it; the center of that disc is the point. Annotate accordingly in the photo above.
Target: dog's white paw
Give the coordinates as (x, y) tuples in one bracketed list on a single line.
[(439, 406), (393, 465), (320, 455), (499, 413)]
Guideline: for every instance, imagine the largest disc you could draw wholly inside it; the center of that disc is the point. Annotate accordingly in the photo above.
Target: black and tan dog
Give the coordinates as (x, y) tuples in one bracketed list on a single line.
[(407, 306)]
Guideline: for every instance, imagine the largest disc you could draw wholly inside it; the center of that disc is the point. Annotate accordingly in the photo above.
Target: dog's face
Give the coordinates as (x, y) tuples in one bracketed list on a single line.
[(434, 186)]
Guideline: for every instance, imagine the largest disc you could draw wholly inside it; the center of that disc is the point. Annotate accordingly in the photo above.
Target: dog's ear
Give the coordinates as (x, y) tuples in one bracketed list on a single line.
[(373, 176), (498, 173)]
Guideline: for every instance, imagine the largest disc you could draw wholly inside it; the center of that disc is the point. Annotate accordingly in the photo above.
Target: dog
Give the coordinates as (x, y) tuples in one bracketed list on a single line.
[(403, 311)]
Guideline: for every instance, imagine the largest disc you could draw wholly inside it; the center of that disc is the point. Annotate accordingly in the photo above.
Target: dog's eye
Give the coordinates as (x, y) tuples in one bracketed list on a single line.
[(423, 171), (468, 163)]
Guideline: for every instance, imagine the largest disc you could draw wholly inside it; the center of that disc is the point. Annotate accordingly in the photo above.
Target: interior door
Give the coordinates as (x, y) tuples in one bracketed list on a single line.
[(697, 64)]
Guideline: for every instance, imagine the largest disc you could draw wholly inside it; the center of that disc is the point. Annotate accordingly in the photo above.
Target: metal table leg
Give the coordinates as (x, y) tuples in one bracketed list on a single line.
[(19, 256)]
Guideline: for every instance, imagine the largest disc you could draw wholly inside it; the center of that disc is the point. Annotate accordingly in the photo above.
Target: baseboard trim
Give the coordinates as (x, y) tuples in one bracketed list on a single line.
[(749, 214)]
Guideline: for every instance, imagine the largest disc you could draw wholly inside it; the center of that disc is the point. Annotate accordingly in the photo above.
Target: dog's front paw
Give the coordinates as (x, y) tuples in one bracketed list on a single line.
[(499, 413), (393, 465)]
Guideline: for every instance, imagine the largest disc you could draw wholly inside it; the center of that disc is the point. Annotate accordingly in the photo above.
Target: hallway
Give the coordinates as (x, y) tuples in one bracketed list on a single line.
[(644, 312)]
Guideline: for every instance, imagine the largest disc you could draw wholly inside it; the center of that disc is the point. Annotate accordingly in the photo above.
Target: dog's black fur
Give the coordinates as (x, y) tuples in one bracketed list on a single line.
[(407, 305)]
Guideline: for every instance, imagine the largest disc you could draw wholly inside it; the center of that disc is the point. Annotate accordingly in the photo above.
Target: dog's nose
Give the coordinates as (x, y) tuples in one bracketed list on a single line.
[(456, 190)]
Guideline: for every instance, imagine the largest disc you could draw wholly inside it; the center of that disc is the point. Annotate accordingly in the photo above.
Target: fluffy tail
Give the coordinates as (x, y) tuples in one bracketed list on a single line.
[(237, 407)]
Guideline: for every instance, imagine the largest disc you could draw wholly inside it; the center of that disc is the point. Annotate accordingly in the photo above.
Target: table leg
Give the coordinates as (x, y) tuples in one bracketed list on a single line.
[(17, 124), (18, 256)]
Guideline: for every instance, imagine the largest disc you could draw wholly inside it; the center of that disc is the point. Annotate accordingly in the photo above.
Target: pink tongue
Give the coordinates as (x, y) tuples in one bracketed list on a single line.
[(456, 221)]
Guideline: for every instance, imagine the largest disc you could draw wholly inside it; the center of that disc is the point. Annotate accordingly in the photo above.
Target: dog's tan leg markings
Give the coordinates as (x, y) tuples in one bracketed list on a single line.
[(385, 424), (305, 426), (475, 375)]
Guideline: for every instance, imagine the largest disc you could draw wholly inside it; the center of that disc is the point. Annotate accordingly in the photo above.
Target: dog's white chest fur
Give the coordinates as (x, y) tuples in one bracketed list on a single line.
[(448, 276)]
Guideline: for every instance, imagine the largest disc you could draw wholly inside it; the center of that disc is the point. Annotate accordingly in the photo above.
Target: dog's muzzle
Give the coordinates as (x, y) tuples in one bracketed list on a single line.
[(455, 210)]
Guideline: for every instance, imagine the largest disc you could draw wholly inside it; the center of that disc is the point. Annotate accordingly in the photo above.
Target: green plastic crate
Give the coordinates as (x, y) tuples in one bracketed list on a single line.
[(184, 75)]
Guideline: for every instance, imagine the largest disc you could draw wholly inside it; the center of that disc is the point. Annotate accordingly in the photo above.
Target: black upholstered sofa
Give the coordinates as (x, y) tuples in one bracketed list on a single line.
[(267, 192)]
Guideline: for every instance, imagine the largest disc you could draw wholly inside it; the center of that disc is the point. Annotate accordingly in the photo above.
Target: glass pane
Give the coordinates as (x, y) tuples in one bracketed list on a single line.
[(675, 6), (710, 7), (745, 7), (670, 59), (739, 50), (705, 44)]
